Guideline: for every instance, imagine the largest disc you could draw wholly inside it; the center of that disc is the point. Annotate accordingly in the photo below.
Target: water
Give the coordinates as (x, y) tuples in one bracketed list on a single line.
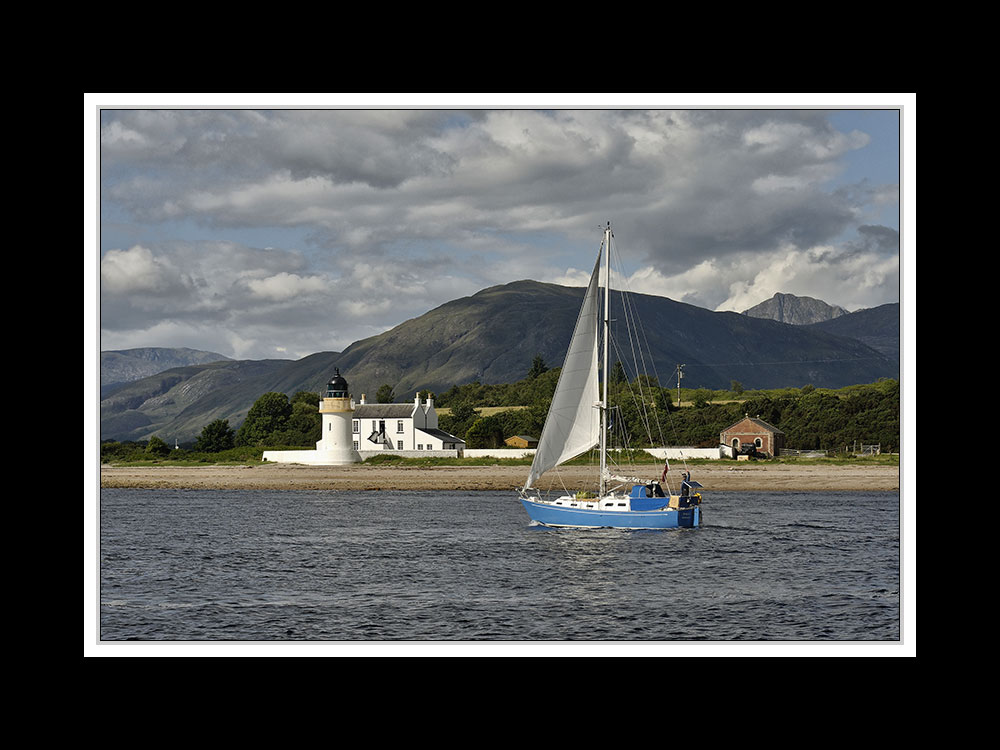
[(195, 565)]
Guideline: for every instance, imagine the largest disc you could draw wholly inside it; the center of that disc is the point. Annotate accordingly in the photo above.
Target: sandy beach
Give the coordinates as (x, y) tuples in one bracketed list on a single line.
[(726, 476)]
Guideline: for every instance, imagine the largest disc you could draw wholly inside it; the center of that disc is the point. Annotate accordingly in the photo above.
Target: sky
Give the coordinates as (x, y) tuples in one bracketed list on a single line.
[(286, 226)]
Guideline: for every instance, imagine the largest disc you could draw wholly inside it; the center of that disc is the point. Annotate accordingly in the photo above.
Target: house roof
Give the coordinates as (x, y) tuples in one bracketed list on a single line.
[(756, 421), (383, 411), (440, 434)]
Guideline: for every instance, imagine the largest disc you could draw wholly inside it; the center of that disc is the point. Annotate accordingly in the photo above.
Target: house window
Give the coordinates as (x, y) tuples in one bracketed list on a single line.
[(355, 445), (399, 425), (355, 426), (758, 442), (420, 446), (399, 445)]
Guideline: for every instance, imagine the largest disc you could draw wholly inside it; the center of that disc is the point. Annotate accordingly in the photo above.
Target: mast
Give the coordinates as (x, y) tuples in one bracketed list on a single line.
[(604, 403)]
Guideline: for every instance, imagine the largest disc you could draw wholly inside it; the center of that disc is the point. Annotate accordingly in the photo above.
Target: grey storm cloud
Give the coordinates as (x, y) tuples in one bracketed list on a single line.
[(384, 214)]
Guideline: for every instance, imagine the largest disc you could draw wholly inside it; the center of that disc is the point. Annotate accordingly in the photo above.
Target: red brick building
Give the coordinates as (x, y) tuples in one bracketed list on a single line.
[(764, 437)]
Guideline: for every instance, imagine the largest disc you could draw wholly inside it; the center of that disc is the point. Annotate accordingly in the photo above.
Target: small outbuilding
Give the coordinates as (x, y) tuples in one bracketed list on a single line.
[(752, 431), (521, 441)]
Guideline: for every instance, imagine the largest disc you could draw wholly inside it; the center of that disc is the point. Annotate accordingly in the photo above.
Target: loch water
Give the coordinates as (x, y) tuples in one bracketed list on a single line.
[(265, 566)]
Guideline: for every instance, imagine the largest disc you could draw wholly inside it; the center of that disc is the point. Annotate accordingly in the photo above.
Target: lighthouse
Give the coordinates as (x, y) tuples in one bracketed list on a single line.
[(337, 409)]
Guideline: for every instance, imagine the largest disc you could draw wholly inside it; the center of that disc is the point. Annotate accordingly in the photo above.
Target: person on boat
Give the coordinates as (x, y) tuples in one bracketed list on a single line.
[(685, 488)]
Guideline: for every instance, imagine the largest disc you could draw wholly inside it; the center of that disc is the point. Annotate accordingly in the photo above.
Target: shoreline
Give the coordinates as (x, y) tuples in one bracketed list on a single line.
[(729, 476)]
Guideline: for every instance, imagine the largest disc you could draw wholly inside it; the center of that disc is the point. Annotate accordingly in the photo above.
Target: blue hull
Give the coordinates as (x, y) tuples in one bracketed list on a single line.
[(584, 518)]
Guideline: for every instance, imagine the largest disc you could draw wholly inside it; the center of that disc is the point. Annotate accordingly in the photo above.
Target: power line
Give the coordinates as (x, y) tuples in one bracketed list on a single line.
[(788, 362)]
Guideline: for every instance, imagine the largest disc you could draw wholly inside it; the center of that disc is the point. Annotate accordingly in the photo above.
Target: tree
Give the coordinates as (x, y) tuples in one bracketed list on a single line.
[(618, 373), (384, 394), (268, 415), (216, 436), (538, 366), (485, 432), (157, 447), (460, 419)]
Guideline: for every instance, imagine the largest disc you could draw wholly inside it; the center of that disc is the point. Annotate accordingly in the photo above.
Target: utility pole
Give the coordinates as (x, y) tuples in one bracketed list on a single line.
[(680, 374)]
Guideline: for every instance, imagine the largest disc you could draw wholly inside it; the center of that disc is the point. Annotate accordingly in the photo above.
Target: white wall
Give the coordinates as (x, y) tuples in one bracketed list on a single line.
[(410, 454), (498, 452), (674, 453), (312, 458), (679, 453)]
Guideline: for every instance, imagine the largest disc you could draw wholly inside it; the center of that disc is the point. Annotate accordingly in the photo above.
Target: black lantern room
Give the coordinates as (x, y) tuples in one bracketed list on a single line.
[(337, 387)]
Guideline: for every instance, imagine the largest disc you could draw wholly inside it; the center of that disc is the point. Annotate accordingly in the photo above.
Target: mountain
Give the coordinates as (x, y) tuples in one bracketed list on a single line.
[(787, 308), (128, 365), (878, 327), (492, 337)]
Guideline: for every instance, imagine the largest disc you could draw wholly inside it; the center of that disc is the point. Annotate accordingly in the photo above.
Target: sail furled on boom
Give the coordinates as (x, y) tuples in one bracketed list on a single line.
[(573, 424)]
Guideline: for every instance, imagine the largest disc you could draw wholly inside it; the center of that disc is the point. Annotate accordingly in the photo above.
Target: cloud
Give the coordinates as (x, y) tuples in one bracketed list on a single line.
[(285, 286), (380, 215), (137, 271)]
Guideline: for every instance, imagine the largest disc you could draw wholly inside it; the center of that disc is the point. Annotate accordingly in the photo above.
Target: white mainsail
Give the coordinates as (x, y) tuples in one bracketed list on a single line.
[(573, 424)]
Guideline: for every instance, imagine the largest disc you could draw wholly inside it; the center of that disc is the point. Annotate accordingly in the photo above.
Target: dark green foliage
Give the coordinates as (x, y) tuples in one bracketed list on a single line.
[(274, 421), (459, 420), (811, 418), (538, 366), (217, 436), (129, 452), (157, 447), (618, 374), (485, 432), (268, 415), (537, 390), (384, 394)]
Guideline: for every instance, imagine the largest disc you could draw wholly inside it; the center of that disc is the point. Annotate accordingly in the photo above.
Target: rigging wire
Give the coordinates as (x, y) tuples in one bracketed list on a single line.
[(640, 366), (635, 329)]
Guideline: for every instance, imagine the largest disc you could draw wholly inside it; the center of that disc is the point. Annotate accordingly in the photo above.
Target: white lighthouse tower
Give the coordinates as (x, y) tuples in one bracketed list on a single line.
[(337, 444)]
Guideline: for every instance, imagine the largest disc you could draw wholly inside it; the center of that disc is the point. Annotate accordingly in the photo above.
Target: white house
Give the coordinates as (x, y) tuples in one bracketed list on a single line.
[(400, 427), (353, 432)]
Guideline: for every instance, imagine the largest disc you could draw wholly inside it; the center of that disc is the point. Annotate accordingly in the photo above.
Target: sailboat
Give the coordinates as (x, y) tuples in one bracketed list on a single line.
[(578, 421)]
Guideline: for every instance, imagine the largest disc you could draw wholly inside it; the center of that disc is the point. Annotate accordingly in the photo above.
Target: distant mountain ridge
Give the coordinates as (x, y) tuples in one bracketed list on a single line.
[(877, 327), (127, 365), (796, 311), (492, 337)]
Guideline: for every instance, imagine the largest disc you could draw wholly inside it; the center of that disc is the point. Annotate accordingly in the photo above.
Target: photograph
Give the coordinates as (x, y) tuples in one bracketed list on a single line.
[(543, 375)]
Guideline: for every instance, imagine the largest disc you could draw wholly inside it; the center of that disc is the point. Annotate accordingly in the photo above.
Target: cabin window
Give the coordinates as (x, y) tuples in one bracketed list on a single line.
[(621, 505)]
